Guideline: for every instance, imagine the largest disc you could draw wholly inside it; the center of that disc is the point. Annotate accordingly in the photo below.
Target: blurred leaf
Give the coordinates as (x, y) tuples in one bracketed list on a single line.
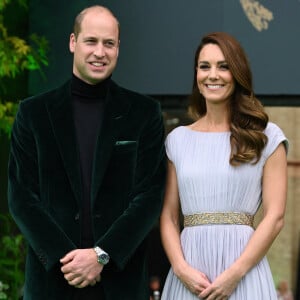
[(16, 56), (12, 259)]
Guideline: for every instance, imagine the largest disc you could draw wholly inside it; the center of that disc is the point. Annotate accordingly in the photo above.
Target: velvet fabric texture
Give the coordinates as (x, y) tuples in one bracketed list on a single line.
[(45, 190)]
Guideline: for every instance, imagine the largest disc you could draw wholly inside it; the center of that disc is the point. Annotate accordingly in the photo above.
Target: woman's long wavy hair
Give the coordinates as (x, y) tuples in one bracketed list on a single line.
[(247, 116)]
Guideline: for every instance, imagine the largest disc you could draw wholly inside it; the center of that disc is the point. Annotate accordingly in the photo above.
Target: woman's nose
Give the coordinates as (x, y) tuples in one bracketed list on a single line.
[(213, 74)]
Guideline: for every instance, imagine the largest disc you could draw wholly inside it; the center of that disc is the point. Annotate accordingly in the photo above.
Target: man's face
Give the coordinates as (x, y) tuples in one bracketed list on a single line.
[(96, 47)]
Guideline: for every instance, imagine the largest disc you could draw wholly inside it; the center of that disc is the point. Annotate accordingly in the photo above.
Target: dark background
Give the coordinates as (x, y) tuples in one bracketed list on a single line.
[(159, 37)]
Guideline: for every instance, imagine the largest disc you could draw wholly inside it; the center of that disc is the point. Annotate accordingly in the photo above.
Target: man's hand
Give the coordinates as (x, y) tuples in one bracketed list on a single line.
[(81, 268)]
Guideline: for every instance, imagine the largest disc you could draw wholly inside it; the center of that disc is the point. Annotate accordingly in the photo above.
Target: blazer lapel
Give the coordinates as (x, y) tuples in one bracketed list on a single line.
[(61, 118), (116, 109)]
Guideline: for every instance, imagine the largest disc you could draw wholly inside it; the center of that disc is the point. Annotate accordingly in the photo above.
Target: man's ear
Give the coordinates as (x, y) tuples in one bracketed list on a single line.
[(72, 42), (118, 48)]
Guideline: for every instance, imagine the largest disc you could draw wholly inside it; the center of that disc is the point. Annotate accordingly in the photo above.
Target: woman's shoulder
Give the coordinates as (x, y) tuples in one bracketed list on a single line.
[(175, 137), (272, 126), (173, 142), (273, 129), (275, 136), (177, 131)]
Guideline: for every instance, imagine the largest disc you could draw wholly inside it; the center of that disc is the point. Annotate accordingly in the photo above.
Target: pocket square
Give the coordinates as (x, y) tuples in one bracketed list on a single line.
[(119, 143)]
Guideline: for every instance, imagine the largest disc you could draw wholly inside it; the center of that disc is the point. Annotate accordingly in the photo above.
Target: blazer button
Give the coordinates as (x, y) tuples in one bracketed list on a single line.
[(76, 217)]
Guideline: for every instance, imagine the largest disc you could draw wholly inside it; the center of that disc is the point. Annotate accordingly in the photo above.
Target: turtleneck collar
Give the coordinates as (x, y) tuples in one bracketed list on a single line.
[(89, 91)]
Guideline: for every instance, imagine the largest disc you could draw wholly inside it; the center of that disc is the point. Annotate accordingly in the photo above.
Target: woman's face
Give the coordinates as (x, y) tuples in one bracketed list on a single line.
[(215, 81)]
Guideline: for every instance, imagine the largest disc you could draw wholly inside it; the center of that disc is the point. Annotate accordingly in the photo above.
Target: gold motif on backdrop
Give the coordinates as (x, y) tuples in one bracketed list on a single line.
[(258, 15)]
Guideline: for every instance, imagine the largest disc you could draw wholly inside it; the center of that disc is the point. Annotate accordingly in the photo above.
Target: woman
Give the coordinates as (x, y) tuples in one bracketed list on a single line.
[(220, 169)]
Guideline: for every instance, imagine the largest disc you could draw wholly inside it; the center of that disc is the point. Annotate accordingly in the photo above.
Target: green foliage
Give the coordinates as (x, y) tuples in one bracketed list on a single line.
[(16, 56), (3, 288), (3, 3), (12, 257), (7, 114)]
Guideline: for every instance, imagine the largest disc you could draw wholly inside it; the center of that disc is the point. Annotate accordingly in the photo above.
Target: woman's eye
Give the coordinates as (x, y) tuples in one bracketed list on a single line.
[(224, 67), (203, 67)]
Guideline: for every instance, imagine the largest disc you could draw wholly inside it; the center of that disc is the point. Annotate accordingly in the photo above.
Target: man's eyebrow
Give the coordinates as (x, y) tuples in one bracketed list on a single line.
[(89, 37)]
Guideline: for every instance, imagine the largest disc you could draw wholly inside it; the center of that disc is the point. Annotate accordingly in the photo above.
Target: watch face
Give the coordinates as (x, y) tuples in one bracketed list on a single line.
[(103, 258)]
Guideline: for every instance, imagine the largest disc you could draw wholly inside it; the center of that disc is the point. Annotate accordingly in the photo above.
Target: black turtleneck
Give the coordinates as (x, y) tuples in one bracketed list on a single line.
[(88, 107)]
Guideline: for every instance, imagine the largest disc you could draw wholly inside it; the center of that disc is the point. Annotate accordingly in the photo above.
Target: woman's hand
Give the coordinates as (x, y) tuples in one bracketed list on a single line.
[(222, 287), (193, 280)]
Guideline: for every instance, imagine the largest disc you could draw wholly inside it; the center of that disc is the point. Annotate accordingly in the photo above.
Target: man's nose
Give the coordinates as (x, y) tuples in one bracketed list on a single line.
[(99, 50)]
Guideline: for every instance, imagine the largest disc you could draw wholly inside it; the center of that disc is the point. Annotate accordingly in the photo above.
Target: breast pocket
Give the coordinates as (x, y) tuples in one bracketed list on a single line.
[(121, 146), (121, 169)]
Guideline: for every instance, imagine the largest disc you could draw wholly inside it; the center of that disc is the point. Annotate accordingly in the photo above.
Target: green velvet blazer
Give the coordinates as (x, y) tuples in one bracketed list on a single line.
[(45, 191)]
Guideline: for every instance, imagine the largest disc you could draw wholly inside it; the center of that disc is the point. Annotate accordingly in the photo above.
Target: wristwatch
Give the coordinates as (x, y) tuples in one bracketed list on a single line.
[(102, 256)]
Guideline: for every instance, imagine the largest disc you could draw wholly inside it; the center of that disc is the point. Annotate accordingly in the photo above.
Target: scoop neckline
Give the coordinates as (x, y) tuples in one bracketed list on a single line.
[(205, 132)]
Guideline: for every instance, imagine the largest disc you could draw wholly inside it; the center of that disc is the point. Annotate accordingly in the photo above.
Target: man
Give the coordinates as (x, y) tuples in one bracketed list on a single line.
[(86, 176)]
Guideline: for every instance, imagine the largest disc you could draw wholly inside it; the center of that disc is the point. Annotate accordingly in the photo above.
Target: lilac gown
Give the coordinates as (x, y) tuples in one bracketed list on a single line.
[(208, 183)]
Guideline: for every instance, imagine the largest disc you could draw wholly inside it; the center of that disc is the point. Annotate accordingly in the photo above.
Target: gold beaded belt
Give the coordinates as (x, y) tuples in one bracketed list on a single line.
[(234, 218)]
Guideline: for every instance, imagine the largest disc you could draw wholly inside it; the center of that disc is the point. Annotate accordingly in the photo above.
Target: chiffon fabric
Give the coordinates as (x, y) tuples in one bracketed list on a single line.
[(208, 183)]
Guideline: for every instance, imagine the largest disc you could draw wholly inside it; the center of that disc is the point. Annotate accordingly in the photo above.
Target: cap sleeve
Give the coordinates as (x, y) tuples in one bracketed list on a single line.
[(275, 137), (169, 143), (173, 142)]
